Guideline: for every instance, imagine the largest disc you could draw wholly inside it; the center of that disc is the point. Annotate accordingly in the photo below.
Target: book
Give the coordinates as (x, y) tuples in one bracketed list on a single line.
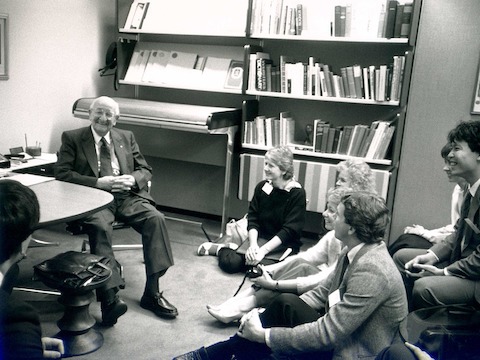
[(380, 127), (340, 20), (318, 128), (137, 65), (139, 14), (406, 20), (180, 66), (156, 64), (328, 81), (234, 78), (371, 78), (299, 19), (283, 81), (259, 123), (398, 21), (252, 68), (275, 131), (357, 139), (358, 81), (366, 84), (385, 142), (261, 74), (351, 82), (347, 134), (215, 71), (390, 17)]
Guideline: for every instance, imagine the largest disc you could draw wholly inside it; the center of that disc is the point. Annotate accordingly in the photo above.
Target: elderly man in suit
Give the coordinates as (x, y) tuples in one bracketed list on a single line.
[(449, 272), (352, 314), (108, 158)]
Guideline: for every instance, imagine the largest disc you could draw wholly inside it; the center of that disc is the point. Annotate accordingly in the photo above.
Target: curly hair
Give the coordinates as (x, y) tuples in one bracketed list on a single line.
[(19, 215), (359, 174), (335, 194), (468, 131), (368, 214), (282, 156)]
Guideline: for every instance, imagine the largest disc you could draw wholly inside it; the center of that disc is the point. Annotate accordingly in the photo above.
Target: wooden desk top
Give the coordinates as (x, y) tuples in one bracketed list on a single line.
[(62, 201)]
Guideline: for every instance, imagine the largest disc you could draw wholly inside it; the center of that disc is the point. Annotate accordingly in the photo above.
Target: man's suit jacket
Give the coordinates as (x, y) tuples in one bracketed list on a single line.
[(366, 319), (78, 161), (468, 267)]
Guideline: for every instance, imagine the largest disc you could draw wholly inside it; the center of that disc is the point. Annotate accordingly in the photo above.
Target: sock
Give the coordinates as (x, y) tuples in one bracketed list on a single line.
[(208, 248)]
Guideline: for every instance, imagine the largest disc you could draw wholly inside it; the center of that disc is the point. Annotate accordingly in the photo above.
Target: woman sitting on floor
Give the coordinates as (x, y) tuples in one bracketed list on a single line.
[(276, 215), (296, 274)]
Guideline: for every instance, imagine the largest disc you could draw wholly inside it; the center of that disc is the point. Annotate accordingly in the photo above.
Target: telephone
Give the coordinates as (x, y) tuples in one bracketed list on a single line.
[(4, 162)]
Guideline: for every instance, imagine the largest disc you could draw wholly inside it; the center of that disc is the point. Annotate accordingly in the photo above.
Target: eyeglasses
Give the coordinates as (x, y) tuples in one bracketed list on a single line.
[(101, 112)]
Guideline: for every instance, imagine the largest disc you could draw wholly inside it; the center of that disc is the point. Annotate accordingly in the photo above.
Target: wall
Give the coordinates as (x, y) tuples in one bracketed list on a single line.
[(55, 50), (444, 76)]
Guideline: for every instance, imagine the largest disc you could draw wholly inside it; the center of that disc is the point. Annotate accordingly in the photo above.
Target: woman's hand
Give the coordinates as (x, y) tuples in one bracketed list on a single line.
[(254, 255), (52, 348), (265, 281)]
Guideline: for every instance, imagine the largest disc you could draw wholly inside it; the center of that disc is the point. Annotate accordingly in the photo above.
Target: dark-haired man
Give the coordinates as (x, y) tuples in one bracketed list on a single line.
[(449, 272), (20, 332)]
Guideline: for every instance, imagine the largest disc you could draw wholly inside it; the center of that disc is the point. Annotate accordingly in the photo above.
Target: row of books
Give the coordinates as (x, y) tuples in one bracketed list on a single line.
[(136, 15), (386, 19), (159, 66), (379, 83), (270, 131), (371, 142), (347, 18), (276, 17)]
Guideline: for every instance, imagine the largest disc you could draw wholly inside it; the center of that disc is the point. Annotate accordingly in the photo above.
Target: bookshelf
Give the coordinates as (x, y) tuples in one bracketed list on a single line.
[(318, 43), (208, 30)]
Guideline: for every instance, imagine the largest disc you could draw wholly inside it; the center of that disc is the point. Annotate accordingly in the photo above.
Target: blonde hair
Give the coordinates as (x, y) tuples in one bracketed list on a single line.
[(359, 175), (282, 157)]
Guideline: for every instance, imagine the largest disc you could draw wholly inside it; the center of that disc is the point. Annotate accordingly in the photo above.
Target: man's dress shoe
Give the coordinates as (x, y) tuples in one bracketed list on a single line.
[(159, 305), (111, 312)]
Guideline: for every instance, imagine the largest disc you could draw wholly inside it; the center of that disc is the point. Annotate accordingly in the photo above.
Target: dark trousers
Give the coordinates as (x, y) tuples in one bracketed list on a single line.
[(141, 215), (287, 310), (411, 241)]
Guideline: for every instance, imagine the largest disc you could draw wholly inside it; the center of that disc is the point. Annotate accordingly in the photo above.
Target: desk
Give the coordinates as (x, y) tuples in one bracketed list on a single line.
[(62, 201), (38, 163)]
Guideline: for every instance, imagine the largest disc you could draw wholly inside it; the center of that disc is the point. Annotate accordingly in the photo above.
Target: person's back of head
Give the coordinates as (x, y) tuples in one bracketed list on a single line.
[(19, 215), (358, 175), (368, 214)]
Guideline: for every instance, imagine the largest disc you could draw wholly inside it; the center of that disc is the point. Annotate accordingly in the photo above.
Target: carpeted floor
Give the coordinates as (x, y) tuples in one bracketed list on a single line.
[(190, 284)]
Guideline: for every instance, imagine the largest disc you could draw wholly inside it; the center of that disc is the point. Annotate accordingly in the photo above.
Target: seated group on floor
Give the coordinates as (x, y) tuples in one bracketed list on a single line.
[(326, 302), (348, 296)]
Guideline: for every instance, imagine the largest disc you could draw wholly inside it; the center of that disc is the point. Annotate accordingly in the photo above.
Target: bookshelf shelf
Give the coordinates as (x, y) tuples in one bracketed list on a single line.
[(319, 155), (335, 39), (321, 98), (191, 88)]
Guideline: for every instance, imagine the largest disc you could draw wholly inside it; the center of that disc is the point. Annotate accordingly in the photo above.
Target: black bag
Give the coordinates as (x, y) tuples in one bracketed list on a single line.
[(73, 270)]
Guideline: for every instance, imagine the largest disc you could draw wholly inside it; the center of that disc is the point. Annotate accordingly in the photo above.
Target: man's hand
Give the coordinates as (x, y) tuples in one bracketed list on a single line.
[(251, 327), (52, 348), (265, 280), (419, 353), (415, 229), (116, 183), (123, 183), (416, 266)]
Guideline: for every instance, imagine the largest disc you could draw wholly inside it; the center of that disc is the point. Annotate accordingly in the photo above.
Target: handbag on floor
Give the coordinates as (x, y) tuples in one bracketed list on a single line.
[(74, 270), (236, 231)]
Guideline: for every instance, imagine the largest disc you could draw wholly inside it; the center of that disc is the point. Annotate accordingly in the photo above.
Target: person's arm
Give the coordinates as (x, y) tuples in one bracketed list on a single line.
[(68, 158), (366, 290)]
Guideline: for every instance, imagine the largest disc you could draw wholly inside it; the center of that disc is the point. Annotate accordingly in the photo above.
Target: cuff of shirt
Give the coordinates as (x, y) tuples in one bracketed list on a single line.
[(445, 272), (267, 337), (431, 252)]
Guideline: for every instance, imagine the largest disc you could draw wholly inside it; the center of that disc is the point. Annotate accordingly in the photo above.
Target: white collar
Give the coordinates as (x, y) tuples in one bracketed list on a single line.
[(473, 189), (354, 251), (97, 137)]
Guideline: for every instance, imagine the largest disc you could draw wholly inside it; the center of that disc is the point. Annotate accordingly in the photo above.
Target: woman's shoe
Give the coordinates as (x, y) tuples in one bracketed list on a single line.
[(224, 318)]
